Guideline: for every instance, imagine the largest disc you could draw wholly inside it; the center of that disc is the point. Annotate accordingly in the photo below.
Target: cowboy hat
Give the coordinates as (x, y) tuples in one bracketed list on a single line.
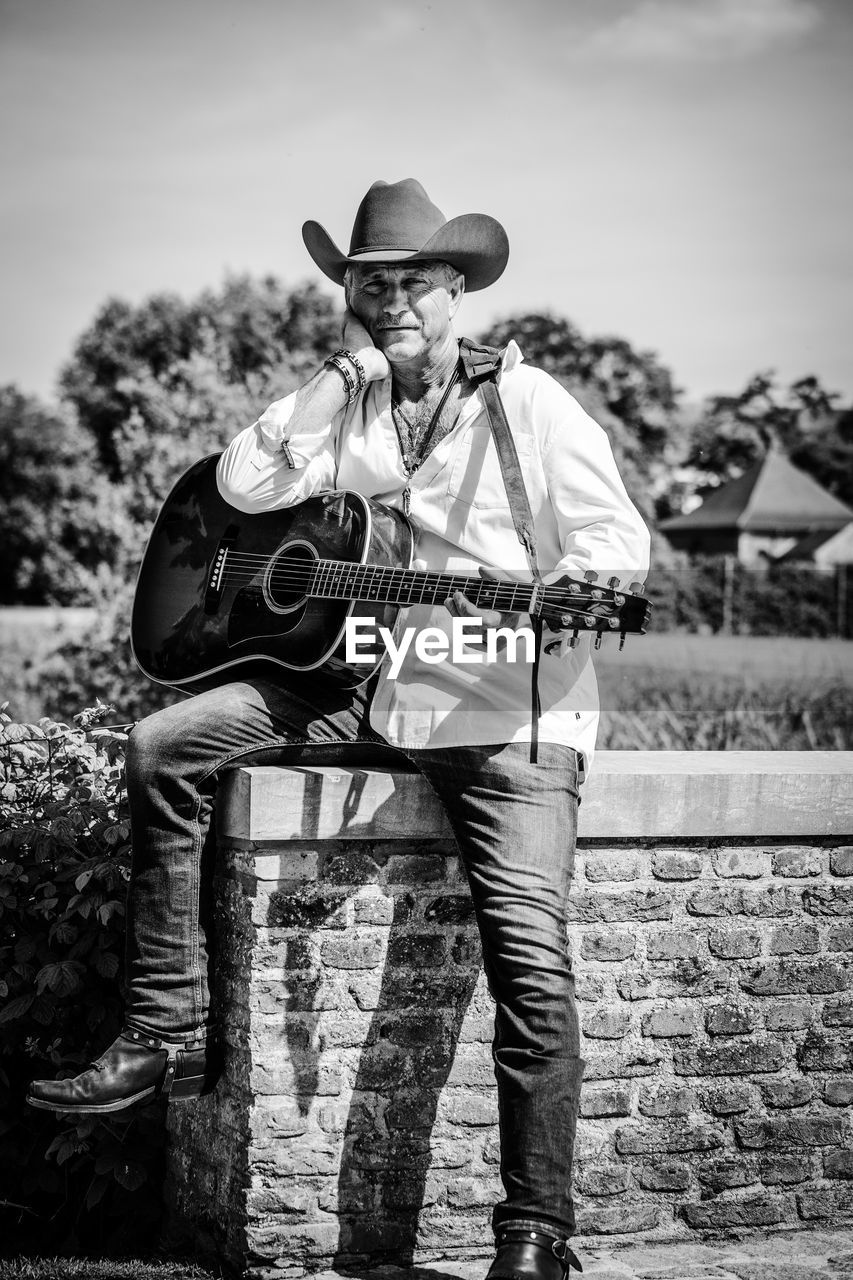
[(397, 222)]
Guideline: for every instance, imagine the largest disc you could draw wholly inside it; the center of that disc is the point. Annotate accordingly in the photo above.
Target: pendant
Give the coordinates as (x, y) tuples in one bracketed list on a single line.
[(407, 501)]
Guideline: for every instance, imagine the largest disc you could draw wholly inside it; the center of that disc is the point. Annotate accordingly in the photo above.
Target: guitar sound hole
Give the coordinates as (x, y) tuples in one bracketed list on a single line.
[(288, 576)]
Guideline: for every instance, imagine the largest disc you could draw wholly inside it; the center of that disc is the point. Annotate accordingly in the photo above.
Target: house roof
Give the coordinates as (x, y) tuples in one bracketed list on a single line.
[(774, 496)]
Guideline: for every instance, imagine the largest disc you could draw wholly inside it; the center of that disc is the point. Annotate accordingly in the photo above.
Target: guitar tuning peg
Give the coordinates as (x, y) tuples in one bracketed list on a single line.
[(613, 623), (613, 583), (637, 588), (573, 643), (589, 622), (591, 575), (598, 638)]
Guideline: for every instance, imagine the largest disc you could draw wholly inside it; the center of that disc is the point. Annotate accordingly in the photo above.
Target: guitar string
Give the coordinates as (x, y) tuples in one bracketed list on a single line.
[(343, 568), (247, 558), (374, 578), (509, 605), (503, 597)]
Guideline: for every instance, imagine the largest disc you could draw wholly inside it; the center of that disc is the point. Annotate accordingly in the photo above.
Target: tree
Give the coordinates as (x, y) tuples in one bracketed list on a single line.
[(154, 388), (60, 520), (253, 335), (629, 393), (735, 431)]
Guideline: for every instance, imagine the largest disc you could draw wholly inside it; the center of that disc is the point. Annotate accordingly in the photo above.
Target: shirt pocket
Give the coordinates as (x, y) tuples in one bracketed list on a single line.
[(475, 474)]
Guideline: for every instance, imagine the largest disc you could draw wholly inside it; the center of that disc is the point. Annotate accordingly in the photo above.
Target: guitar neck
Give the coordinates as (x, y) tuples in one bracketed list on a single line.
[(337, 580)]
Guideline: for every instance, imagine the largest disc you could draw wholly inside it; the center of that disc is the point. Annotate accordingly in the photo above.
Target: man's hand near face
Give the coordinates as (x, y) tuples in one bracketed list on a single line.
[(358, 340)]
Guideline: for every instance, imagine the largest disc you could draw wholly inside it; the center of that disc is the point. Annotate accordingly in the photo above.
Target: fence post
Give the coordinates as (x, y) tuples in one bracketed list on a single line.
[(728, 594), (841, 601)]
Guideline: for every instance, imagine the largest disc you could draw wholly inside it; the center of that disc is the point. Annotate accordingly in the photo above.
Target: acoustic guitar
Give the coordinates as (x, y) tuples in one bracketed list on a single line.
[(220, 592)]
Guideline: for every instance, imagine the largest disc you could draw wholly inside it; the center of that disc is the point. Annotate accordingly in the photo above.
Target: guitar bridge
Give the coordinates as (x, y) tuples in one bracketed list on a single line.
[(216, 577)]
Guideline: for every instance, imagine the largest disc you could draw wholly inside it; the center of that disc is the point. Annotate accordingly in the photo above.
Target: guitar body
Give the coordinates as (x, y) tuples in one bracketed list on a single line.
[(220, 592)]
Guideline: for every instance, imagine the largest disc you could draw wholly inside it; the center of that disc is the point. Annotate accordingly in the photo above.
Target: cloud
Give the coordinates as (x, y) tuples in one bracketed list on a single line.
[(702, 30)]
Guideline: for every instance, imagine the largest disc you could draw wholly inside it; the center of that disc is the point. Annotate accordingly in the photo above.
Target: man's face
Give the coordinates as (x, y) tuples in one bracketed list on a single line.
[(406, 308)]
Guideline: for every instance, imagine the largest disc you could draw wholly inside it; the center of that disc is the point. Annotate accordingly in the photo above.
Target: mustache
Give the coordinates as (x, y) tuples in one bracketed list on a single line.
[(396, 322)]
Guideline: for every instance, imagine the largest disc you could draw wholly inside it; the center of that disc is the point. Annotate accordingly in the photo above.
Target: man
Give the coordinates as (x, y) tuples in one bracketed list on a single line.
[(395, 417)]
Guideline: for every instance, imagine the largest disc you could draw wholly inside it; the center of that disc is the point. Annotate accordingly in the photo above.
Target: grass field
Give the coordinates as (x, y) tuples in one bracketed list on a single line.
[(101, 1269), (663, 692), (27, 636)]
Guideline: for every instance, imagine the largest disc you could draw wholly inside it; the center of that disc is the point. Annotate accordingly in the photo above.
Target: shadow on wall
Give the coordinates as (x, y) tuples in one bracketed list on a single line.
[(407, 1050)]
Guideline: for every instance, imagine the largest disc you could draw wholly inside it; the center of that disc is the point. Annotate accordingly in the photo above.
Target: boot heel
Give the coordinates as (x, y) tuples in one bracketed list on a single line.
[(190, 1087), (191, 1074)]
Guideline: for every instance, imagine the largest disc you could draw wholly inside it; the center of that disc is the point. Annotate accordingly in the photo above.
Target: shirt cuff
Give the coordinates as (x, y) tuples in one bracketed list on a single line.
[(297, 447)]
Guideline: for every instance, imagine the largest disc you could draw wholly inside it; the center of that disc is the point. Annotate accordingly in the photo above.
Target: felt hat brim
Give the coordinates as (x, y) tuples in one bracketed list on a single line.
[(473, 243)]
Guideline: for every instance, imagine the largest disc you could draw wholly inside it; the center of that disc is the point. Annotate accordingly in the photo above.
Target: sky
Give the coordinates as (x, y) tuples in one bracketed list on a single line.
[(675, 172)]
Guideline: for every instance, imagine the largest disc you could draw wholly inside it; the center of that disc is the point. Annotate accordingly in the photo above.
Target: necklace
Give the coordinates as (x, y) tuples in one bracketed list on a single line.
[(415, 448)]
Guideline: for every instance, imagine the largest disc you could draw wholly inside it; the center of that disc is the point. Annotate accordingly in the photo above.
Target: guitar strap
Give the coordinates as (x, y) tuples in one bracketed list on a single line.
[(482, 366)]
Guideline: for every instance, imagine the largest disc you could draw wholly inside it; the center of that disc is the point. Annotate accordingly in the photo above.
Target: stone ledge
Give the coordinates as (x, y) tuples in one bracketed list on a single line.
[(631, 795)]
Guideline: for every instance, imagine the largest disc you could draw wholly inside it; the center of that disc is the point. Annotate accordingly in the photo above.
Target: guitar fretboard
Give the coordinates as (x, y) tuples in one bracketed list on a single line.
[(338, 580)]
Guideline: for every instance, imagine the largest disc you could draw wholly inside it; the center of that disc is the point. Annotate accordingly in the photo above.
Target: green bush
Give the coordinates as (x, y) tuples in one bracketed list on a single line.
[(779, 600), (98, 665), (64, 844)]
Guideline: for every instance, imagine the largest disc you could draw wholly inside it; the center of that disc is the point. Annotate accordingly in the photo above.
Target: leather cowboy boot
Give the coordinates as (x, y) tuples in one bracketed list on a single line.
[(531, 1255), (133, 1068)]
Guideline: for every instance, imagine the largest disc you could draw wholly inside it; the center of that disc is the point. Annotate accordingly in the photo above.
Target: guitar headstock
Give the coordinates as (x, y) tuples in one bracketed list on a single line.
[(584, 605)]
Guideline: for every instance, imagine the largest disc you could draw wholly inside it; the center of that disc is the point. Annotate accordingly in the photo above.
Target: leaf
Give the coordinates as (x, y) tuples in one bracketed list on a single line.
[(56, 1144), (61, 978), (129, 1174), (63, 932), (43, 1010), (16, 1007), (107, 964), (25, 949), (83, 879), (68, 1147), (95, 1194), (108, 909)]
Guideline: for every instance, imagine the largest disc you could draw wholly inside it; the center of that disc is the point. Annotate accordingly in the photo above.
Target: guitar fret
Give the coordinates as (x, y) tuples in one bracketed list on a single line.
[(333, 579)]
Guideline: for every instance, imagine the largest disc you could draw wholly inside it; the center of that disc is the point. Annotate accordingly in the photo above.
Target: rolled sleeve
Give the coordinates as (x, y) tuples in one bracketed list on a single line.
[(255, 474), (599, 527)]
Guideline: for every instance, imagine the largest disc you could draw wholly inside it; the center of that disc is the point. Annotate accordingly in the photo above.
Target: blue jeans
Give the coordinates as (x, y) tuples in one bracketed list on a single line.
[(515, 825)]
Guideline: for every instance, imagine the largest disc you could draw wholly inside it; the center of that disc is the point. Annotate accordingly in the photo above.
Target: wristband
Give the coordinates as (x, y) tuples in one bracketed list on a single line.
[(356, 364), (343, 369)]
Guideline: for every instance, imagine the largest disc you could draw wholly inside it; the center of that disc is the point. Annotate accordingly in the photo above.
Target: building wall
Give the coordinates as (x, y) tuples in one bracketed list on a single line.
[(757, 548)]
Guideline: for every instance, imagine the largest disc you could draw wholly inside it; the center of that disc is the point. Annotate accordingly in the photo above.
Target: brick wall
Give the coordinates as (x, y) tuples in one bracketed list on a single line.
[(357, 1118)]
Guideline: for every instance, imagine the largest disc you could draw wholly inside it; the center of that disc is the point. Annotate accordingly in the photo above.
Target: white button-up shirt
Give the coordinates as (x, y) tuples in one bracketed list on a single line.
[(584, 520)]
